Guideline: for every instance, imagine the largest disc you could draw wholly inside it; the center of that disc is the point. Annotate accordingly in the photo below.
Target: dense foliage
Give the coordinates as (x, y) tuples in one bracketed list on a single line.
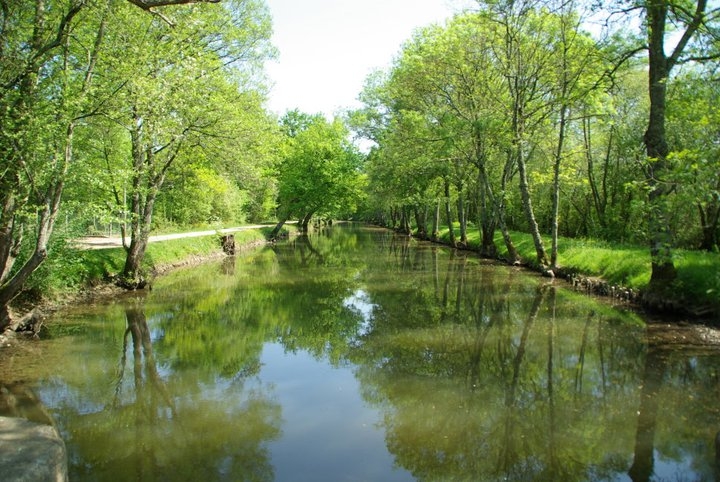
[(124, 119), (515, 116)]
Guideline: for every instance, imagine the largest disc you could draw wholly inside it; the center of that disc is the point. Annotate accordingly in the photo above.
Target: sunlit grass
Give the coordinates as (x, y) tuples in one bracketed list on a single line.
[(624, 265), (68, 270)]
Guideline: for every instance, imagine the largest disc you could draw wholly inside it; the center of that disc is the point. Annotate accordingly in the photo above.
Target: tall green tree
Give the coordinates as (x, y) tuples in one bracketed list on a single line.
[(318, 172), (693, 121), (694, 18), (174, 95), (676, 33), (45, 77), (43, 95)]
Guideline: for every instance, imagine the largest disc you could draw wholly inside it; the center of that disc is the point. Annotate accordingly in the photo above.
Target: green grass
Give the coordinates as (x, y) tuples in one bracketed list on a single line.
[(69, 270), (698, 280)]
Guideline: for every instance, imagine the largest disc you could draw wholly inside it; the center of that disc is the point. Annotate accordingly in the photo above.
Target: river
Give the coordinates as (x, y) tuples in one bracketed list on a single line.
[(356, 354)]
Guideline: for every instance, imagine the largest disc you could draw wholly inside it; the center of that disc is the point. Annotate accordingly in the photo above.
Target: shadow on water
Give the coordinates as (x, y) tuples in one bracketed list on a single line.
[(465, 369)]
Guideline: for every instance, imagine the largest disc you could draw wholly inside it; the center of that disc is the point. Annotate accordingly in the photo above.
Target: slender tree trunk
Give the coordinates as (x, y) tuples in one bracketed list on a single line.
[(518, 152), (421, 221), (513, 256), (556, 186), (276, 230), (436, 222), (528, 208), (393, 217), (486, 220), (462, 218), (405, 222), (709, 221), (305, 221), (599, 200), (448, 214)]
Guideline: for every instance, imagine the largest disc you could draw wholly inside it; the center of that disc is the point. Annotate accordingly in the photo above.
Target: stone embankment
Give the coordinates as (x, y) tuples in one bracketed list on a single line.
[(600, 287), (31, 452)]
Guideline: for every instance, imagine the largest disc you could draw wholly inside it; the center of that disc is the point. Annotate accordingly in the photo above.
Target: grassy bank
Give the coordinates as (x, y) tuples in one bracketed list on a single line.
[(697, 286), (69, 270)]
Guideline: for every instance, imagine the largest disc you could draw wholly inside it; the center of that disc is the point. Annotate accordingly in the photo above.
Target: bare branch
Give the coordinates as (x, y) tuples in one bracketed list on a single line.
[(148, 4), (701, 58), (692, 27)]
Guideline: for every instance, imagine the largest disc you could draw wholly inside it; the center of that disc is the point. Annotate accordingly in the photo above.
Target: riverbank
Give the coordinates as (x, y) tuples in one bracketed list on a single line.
[(623, 272), (594, 267), (73, 275)]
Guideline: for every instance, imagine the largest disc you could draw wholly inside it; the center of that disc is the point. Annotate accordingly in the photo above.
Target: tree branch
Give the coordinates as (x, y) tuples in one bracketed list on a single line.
[(148, 4), (692, 27), (35, 60)]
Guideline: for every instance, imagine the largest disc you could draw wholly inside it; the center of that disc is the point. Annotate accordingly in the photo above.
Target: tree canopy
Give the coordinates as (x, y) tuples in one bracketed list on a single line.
[(515, 116)]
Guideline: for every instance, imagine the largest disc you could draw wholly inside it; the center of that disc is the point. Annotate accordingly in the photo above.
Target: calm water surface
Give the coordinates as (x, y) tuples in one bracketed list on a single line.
[(358, 355)]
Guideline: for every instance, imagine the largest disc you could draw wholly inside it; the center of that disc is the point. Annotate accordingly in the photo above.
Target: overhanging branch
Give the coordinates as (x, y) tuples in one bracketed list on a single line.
[(148, 4)]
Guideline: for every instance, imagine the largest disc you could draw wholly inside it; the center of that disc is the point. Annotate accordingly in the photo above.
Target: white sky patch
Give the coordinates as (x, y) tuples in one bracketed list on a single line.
[(328, 47)]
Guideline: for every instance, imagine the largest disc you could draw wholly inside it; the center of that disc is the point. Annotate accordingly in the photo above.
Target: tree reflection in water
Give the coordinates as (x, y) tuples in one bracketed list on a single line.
[(157, 429), (643, 460), (479, 378)]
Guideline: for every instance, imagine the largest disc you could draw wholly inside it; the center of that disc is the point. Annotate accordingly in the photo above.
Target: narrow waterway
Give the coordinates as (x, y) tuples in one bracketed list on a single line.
[(358, 355)]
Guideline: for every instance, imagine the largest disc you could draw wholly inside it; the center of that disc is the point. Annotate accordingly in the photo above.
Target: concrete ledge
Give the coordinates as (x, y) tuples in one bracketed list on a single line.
[(31, 452)]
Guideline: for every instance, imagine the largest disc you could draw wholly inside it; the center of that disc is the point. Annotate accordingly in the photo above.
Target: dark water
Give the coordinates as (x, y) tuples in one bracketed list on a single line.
[(357, 355)]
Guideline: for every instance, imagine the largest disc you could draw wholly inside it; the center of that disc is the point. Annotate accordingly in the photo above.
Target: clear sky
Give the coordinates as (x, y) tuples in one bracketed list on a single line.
[(328, 47)]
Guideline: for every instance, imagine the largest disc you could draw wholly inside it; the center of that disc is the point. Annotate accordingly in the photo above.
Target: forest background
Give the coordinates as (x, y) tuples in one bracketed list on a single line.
[(558, 119)]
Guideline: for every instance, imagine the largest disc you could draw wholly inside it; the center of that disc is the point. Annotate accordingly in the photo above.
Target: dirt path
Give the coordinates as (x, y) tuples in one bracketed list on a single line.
[(100, 242)]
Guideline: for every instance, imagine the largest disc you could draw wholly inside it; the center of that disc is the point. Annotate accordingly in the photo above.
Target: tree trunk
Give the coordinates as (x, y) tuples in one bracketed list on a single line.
[(132, 276), (486, 220), (276, 230), (393, 217), (663, 268), (46, 222), (405, 221), (148, 178), (556, 186), (599, 201), (660, 66), (448, 215), (14, 155), (513, 256), (709, 221), (436, 222), (528, 208), (305, 221), (462, 216), (421, 221)]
